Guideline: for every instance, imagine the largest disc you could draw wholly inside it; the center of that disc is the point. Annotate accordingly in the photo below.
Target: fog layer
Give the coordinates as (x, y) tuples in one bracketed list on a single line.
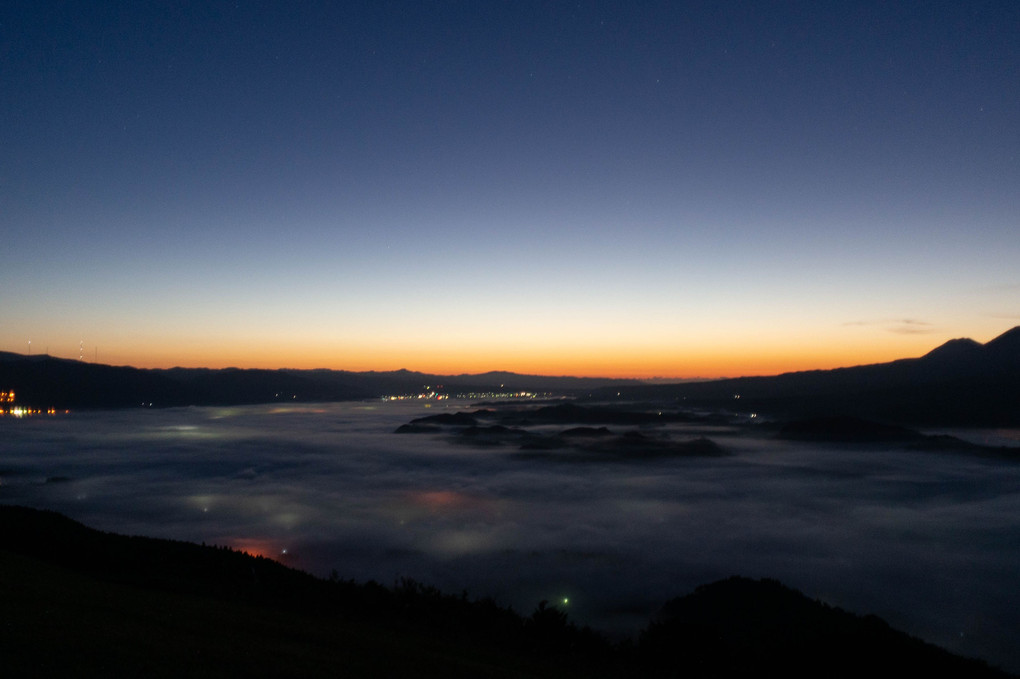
[(928, 541)]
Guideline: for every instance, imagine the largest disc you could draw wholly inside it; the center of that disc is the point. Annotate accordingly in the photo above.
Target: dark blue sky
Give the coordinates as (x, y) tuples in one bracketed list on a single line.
[(646, 188)]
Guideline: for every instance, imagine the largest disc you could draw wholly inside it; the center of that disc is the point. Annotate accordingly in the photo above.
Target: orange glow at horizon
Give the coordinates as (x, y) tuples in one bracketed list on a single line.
[(718, 359)]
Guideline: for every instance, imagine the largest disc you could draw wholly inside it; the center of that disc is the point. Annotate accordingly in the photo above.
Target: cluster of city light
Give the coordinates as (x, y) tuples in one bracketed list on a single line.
[(470, 396), (8, 409), (476, 395), (18, 411), (423, 396)]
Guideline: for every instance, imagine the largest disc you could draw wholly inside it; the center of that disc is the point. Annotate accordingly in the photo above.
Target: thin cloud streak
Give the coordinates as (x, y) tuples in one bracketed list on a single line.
[(904, 326)]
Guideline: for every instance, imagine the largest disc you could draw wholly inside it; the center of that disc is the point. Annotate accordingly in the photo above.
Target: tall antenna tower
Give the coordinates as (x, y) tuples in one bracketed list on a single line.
[(81, 349)]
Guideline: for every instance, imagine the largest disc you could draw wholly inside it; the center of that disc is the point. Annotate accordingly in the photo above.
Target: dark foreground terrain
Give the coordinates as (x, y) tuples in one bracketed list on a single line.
[(78, 602)]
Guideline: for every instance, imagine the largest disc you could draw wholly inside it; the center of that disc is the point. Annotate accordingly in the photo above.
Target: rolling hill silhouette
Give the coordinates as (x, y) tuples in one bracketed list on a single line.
[(85, 603), (960, 383), (44, 381)]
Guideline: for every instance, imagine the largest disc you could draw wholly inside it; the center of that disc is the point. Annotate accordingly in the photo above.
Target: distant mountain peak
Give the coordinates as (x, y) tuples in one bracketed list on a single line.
[(1006, 344), (955, 348)]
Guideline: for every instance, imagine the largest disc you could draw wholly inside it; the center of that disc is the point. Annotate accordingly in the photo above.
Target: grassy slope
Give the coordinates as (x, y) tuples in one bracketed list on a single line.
[(78, 602), (60, 622)]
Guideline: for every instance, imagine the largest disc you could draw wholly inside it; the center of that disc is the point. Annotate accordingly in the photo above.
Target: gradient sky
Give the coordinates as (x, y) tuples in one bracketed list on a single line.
[(650, 189)]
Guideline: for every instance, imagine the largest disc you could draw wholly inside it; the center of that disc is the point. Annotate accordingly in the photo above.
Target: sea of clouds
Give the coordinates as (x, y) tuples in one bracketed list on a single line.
[(928, 541)]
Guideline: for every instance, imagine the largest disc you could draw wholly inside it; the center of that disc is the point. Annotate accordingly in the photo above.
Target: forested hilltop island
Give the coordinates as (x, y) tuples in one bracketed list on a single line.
[(85, 603), (960, 383)]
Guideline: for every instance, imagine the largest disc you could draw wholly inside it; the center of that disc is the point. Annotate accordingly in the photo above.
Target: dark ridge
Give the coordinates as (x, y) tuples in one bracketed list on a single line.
[(418, 429), (961, 383), (854, 430), (455, 419), (1007, 344), (165, 564), (634, 445), (571, 413), (94, 604), (630, 446), (90, 604), (585, 432), (740, 627), (44, 381)]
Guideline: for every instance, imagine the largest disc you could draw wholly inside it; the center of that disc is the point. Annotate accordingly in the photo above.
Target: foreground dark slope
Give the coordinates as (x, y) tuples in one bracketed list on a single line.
[(78, 602), (961, 383)]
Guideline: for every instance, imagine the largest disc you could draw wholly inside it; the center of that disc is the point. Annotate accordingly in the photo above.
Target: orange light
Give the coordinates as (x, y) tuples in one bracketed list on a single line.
[(257, 547)]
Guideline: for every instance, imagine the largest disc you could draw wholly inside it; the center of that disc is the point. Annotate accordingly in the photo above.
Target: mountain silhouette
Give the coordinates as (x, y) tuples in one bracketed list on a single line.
[(739, 626), (41, 381), (960, 383), (963, 349)]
